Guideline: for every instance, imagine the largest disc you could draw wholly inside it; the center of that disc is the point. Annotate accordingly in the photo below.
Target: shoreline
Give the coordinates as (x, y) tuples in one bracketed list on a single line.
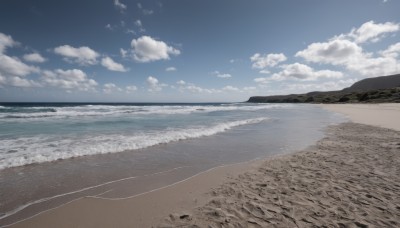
[(186, 200)]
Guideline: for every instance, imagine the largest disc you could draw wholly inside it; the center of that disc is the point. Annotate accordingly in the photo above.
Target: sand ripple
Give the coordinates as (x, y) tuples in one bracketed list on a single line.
[(349, 179)]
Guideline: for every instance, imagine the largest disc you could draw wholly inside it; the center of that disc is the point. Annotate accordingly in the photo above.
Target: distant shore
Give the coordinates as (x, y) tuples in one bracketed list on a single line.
[(348, 178)]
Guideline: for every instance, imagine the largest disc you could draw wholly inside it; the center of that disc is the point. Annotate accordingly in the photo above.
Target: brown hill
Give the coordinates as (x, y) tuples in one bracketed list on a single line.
[(378, 89)]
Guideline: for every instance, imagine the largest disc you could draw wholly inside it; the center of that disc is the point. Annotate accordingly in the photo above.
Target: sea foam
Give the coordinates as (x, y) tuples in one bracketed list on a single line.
[(44, 148)]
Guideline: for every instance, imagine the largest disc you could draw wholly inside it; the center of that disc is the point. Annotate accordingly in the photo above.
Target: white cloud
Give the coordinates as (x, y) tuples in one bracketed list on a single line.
[(303, 72), (120, 5), (68, 79), (168, 69), (267, 60), (221, 75), (34, 57), (342, 51), (249, 89), (144, 11), (262, 80), (17, 82), (231, 89), (147, 49), (109, 63), (393, 51), (22, 82), (371, 31), (373, 67), (154, 84), (5, 42), (335, 52), (192, 88), (12, 69), (82, 55), (138, 23), (109, 27), (325, 86), (130, 89), (12, 66), (110, 88), (124, 53)]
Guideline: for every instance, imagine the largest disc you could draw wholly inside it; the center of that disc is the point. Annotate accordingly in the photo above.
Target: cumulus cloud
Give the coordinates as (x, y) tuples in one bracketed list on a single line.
[(110, 88), (154, 85), (12, 69), (68, 79), (221, 75), (298, 71), (168, 69), (130, 89), (335, 51), (34, 57), (303, 72), (12, 66), (17, 81), (267, 60), (82, 55), (109, 63), (393, 51), (346, 51), (147, 49), (119, 5), (6, 41), (371, 31)]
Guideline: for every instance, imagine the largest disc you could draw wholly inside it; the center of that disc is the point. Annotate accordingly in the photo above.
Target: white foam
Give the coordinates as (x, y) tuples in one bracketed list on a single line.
[(128, 110), (29, 150)]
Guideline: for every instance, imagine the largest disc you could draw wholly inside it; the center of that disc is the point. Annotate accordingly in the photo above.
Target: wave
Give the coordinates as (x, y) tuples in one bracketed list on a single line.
[(23, 151), (109, 110)]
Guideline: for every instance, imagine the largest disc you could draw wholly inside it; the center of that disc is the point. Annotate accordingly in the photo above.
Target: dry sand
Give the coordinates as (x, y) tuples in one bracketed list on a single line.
[(351, 178), (381, 115)]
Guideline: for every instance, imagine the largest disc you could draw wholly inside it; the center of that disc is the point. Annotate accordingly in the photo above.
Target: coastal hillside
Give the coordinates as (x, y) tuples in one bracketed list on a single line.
[(370, 90)]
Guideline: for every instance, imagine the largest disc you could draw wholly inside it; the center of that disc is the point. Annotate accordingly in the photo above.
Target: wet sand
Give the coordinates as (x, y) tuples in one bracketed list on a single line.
[(348, 179)]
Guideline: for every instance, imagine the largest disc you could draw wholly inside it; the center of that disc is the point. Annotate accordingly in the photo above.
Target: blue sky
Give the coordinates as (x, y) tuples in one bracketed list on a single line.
[(191, 51)]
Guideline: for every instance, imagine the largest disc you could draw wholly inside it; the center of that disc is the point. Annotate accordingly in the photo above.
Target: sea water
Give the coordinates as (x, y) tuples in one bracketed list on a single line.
[(51, 153), (35, 133)]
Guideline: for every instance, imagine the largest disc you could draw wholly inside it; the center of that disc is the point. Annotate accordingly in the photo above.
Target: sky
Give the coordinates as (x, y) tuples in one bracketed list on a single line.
[(191, 51)]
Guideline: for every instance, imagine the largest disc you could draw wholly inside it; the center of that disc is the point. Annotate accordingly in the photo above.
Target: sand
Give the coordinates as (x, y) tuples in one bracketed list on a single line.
[(351, 178), (381, 115)]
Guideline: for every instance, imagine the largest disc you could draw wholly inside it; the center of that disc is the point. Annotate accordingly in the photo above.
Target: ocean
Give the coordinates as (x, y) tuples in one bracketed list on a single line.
[(52, 153)]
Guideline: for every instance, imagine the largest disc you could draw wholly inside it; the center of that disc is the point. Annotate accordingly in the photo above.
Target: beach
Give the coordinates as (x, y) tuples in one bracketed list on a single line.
[(347, 179)]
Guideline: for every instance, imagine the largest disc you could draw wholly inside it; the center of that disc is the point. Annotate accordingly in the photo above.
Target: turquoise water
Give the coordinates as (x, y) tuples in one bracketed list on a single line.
[(35, 133)]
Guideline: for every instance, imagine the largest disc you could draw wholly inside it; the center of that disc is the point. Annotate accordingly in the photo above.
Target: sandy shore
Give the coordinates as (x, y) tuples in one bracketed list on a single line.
[(348, 179), (381, 115)]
